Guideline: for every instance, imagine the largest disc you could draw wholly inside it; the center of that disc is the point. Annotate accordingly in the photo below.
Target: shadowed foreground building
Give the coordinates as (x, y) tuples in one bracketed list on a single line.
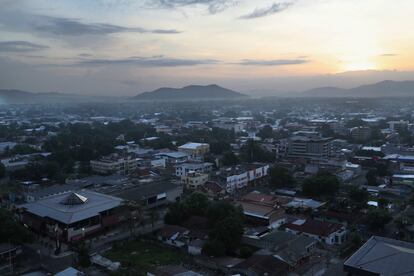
[(382, 256), (73, 215)]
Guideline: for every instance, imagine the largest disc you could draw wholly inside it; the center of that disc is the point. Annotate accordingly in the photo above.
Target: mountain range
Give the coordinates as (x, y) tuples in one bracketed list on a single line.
[(210, 92), (189, 93), (380, 89)]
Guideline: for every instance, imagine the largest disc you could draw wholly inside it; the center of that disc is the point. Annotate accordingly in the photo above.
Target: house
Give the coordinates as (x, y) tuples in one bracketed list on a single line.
[(174, 235), (196, 151), (257, 265), (382, 256), (73, 215), (292, 249), (329, 233), (212, 190), (304, 203)]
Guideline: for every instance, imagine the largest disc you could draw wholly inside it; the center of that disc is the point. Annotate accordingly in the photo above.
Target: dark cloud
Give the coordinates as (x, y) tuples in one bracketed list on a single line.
[(213, 6), (72, 27), (273, 9), (67, 27), (148, 62), (274, 62), (20, 46)]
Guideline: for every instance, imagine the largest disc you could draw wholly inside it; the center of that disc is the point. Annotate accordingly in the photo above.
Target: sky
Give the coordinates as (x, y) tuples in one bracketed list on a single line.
[(125, 47)]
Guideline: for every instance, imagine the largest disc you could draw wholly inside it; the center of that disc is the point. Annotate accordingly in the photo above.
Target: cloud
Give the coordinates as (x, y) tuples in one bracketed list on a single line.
[(20, 46), (274, 62), (67, 27), (262, 12), (148, 62), (213, 6), (72, 27), (389, 55)]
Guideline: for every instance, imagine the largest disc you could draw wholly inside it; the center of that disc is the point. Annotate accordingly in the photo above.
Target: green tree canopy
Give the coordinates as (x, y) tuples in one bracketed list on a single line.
[(281, 177), (11, 230), (322, 184)]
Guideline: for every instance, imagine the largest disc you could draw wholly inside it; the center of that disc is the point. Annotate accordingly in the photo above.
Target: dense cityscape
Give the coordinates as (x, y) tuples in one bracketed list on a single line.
[(253, 187)]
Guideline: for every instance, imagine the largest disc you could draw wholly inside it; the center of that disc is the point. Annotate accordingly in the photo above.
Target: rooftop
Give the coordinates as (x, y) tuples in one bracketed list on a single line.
[(383, 256), (92, 204)]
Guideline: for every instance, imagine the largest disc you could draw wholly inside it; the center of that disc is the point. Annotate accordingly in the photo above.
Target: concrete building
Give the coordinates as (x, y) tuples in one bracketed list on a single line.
[(115, 164), (309, 148), (199, 167), (241, 176), (196, 151), (193, 180), (73, 215), (360, 133)]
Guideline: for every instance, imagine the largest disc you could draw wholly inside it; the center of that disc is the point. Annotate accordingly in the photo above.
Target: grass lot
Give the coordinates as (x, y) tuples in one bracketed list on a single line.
[(142, 256)]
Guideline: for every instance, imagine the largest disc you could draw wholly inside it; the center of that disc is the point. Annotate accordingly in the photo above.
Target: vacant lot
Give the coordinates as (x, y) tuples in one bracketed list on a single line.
[(140, 256)]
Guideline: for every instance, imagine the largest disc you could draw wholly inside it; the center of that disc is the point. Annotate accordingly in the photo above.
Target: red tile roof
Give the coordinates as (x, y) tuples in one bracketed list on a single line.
[(315, 227)]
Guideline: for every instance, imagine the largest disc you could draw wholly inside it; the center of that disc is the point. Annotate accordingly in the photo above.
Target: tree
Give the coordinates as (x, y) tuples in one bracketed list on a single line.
[(253, 152), (221, 210), (154, 215), (371, 177), (176, 214), (228, 231), (214, 248), (358, 196), (378, 218), (265, 132), (11, 230), (197, 204), (84, 259), (281, 177), (230, 159), (2, 170), (322, 184)]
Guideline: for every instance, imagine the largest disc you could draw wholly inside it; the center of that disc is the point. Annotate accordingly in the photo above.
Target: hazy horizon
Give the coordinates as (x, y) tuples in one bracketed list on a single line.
[(264, 47)]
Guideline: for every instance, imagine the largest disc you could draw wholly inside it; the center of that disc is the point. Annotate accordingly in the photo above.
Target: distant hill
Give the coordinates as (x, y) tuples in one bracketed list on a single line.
[(13, 96), (381, 89), (189, 93)]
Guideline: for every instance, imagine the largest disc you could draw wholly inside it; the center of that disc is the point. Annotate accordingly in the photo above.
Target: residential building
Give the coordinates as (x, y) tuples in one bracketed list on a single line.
[(196, 151), (193, 180), (173, 157), (213, 190), (199, 167), (241, 176), (115, 164), (329, 233), (381, 256)]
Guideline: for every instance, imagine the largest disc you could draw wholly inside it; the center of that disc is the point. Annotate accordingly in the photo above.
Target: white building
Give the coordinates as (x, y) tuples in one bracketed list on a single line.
[(114, 164)]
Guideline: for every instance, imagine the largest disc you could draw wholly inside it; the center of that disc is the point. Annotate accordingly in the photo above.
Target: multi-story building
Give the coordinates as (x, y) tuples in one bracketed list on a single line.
[(361, 133), (196, 151), (240, 176), (193, 180), (199, 167), (309, 147), (115, 164)]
